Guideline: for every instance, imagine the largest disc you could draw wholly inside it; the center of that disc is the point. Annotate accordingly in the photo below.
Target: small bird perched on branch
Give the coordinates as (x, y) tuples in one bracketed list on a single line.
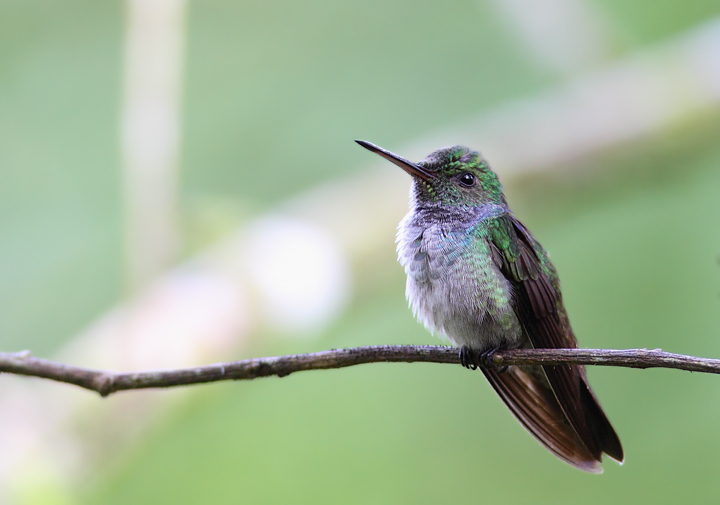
[(476, 275)]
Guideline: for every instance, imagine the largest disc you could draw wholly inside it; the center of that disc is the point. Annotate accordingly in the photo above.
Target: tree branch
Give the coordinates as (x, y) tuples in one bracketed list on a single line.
[(106, 382)]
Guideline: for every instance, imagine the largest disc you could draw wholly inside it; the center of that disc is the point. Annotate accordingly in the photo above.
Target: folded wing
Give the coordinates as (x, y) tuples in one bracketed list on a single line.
[(554, 403)]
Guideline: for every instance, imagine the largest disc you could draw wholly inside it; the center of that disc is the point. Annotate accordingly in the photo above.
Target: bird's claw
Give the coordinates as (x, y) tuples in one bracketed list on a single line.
[(469, 358), (472, 360), (487, 360)]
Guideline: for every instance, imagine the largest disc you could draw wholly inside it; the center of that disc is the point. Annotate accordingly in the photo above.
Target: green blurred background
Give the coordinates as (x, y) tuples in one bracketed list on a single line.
[(273, 94)]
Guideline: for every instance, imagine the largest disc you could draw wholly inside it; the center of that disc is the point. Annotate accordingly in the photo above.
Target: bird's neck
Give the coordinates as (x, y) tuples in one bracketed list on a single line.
[(454, 217)]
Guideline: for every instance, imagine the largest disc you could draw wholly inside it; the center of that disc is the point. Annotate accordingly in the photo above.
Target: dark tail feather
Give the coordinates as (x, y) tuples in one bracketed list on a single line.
[(527, 393)]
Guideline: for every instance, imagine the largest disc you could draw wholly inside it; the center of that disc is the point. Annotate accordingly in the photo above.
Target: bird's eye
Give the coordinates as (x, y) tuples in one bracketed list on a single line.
[(467, 179)]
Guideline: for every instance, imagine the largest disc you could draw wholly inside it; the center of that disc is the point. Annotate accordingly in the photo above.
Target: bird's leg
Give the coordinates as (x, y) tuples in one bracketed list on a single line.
[(469, 358), (472, 359)]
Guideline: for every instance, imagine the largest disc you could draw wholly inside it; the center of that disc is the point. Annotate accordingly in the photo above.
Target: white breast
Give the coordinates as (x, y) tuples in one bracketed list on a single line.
[(454, 287)]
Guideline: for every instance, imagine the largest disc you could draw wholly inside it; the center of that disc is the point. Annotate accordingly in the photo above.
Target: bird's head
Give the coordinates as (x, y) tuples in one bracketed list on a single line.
[(453, 176)]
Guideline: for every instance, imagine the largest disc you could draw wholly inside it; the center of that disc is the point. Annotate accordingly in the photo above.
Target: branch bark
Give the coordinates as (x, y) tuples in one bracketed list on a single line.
[(107, 382)]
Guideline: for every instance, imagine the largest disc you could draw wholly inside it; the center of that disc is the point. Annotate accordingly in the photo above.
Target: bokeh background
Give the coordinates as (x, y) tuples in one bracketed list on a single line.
[(179, 185)]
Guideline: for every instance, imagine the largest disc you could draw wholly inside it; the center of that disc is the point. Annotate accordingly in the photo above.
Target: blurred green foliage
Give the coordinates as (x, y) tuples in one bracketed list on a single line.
[(60, 217), (643, 21)]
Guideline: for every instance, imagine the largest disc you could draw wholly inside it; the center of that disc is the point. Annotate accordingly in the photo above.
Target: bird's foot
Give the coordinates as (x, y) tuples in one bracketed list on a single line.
[(486, 358), (469, 358), (472, 359)]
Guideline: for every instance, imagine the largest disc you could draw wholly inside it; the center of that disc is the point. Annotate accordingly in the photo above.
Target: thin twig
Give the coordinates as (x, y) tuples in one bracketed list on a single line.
[(106, 382)]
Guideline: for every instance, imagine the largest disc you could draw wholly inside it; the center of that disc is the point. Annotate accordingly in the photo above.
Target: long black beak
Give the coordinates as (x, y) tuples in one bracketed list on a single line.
[(406, 165)]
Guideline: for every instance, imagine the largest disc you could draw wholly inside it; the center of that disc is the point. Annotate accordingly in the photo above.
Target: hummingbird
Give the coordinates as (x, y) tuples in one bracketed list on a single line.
[(477, 276)]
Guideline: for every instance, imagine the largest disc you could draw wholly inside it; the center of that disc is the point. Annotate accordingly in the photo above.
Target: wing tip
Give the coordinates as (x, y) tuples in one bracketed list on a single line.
[(593, 466), (620, 461)]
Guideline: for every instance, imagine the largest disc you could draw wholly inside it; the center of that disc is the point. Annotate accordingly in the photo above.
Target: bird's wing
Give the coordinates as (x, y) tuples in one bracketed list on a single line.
[(538, 305)]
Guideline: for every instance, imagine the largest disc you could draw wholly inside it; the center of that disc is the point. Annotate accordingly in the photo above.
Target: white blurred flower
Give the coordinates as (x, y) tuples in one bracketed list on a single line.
[(300, 272)]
